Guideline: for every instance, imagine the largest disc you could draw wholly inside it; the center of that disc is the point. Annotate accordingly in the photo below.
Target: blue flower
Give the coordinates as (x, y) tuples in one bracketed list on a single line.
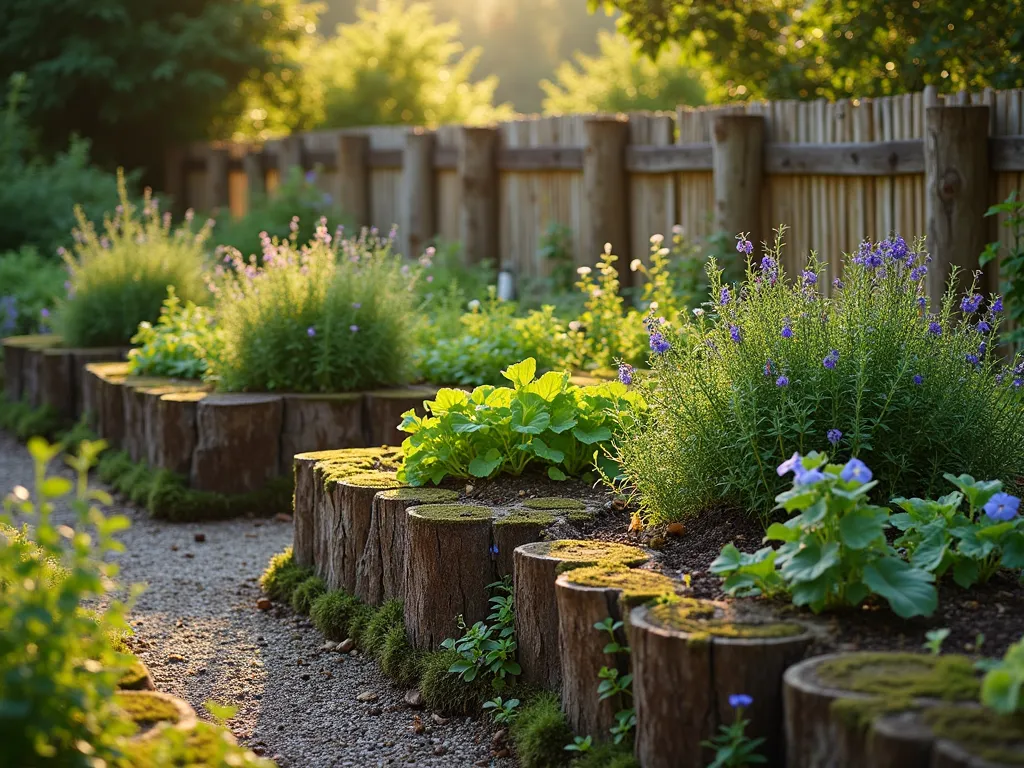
[(969, 304), (738, 700), (311, 331), (838, 284), (793, 464), (723, 297), (1002, 506), (997, 305), (918, 379), (787, 330), (658, 343), (856, 470), (972, 359), (494, 549), (808, 477), (918, 272), (625, 373), (983, 327), (934, 328), (922, 302), (782, 381), (354, 328), (743, 245), (809, 278), (831, 359), (834, 436), (734, 332)]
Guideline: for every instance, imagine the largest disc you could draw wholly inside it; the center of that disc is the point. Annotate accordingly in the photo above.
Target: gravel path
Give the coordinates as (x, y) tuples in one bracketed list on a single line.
[(198, 631)]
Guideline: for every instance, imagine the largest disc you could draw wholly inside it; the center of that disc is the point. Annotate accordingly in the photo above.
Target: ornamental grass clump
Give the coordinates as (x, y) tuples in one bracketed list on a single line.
[(331, 316), (873, 370), (119, 278)]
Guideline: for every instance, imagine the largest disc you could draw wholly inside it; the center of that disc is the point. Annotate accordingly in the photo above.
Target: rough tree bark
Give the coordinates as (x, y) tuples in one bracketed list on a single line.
[(319, 423), (108, 383), (687, 660), (384, 409), (536, 567), (57, 383), (133, 395), (84, 390), (448, 569), (171, 434), (380, 574), (238, 442)]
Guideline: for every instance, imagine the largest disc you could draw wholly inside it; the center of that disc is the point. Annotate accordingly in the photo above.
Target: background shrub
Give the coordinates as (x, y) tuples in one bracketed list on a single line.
[(120, 278), (180, 344), (342, 307), (29, 288), (873, 371)]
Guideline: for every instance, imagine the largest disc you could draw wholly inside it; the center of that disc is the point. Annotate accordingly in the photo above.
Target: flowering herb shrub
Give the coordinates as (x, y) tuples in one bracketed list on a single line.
[(332, 316), (119, 279), (179, 344), (502, 430), (29, 288), (490, 337), (874, 370), (834, 552), (973, 544)]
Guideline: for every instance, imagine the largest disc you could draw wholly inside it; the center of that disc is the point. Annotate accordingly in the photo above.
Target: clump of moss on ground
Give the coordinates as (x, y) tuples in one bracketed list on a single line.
[(332, 613), (399, 660), (608, 756), (540, 733), (306, 593), (375, 634), (554, 502), (144, 707), (282, 576), (448, 693)]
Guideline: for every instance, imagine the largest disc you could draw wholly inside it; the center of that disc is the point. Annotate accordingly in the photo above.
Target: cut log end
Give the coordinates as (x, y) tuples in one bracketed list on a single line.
[(554, 503)]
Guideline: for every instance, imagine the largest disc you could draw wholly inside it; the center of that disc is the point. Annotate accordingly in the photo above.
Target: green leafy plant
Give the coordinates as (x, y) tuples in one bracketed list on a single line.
[(342, 307), (1011, 265), (733, 748), (492, 430), (871, 370), (502, 712), (1001, 686), (580, 744), (59, 668), (974, 544), (179, 344), (614, 684), (488, 649), (31, 287), (934, 638), (120, 278), (834, 552)]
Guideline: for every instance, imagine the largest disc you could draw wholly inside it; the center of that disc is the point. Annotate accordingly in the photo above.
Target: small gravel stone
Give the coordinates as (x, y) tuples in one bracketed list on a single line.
[(200, 537), (346, 645), (264, 604), (414, 698), (367, 696)]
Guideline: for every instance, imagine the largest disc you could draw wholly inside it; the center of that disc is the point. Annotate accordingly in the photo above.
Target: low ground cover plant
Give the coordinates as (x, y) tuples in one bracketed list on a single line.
[(545, 422), (488, 648), (344, 308), (874, 370), (29, 287), (119, 278), (180, 344)]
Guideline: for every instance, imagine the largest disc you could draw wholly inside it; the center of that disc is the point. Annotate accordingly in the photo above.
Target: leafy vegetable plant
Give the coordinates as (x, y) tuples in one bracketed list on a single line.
[(834, 552), (496, 430), (1001, 688), (940, 537), (179, 344), (488, 648)]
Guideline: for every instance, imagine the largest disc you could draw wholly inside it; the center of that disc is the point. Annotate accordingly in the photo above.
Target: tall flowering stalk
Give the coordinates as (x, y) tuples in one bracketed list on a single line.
[(873, 370)]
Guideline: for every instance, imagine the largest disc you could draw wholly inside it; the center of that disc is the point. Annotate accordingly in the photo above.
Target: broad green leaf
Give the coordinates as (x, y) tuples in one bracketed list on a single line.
[(727, 561), (811, 561), (549, 385), (780, 532), (796, 498), (446, 399), (556, 474), (812, 593), (592, 436), (966, 572), (461, 424), (541, 449), (970, 544), (55, 487), (563, 418), (529, 418), (1013, 551), (909, 591), (521, 373), (978, 492), (1000, 691), (815, 513), (484, 466), (901, 521), (995, 531), (930, 551), (42, 451), (862, 527), (410, 421)]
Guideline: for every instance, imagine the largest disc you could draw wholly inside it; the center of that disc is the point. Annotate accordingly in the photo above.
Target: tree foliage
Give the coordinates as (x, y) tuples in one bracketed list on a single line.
[(618, 80), (397, 65), (837, 48)]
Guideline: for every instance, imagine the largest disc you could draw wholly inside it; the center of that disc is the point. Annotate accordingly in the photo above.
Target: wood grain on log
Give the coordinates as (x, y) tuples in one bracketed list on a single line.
[(171, 434), (688, 659), (384, 409), (238, 442), (84, 388), (107, 385), (380, 574), (16, 352), (320, 422), (133, 404), (536, 567), (448, 569)]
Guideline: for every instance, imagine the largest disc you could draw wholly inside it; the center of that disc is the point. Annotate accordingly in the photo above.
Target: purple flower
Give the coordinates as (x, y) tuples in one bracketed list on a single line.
[(972, 359), (311, 331), (922, 302), (808, 477), (983, 327), (659, 345), (782, 381), (997, 305), (918, 379), (831, 359), (743, 245), (625, 373), (856, 471), (734, 333), (834, 436), (934, 328), (918, 272), (723, 297), (838, 284), (969, 304), (44, 312), (1002, 507), (1017, 383), (809, 278), (787, 330), (354, 328), (793, 464), (738, 700), (356, 305)]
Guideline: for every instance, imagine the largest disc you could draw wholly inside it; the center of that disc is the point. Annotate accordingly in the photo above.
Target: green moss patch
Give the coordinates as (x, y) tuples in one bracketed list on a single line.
[(422, 495), (374, 636), (34, 341), (635, 585), (135, 678), (554, 503), (203, 746), (608, 756), (452, 513), (24, 421), (697, 617), (981, 732), (914, 675), (445, 692), (581, 552), (399, 660), (333, 612), (282, 576), (541, 732), (580, 518), (339, 464), (146, 707), (306, 593), (384, 480), (527, 517)]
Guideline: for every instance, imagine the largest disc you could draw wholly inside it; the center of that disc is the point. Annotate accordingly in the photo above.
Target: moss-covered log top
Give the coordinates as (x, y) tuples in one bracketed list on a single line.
[(948, 677), (421, 495), (336, 465), (554, 503), (147, 707), (707, 619), (530, 517), (33, 341), (979, 731), (578, 552), (110, 371), (452, 513), (384, 480), (635, 585)]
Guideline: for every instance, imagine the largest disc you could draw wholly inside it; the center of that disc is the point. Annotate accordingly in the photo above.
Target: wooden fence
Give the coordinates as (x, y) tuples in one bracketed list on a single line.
[(833, 172)]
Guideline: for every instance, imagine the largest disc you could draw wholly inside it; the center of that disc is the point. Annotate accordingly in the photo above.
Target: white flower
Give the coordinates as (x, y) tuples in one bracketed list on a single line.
[(635, 264), (664, 252), (677, 229), (574, 326), (583, 270), (608, 248), (654, 306), (657, 239), (698, 312), (474, 305)]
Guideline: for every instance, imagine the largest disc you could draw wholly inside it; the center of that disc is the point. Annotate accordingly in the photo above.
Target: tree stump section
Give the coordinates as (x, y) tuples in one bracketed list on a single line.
[(384, 409), (536, 567), (304, 504), (85, 402), (846, 710), (688, 657), (106, 381), (318, 423), (133, 402), (346, 526), (970, 736), (238, 442), (56, 382), (171, 435), (380, 574), (16, 353), (447, 571), (518, 527), (32, 373), (586, 596)]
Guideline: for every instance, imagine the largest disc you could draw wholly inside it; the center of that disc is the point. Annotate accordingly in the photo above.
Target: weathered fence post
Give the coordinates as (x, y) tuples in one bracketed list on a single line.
[(354, 177), (255, 175), (737, 159), (957, 189), (418, 191), (174, 180), (216, 194), (606, 189), (478, 178), (289, 155)]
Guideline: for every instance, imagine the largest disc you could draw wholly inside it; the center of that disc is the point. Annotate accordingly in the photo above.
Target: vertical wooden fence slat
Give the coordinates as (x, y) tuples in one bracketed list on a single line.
[(255, 177), (737, 150), (216, 186), (353, 177), (418, 191), (605, 185), (478, 178)]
